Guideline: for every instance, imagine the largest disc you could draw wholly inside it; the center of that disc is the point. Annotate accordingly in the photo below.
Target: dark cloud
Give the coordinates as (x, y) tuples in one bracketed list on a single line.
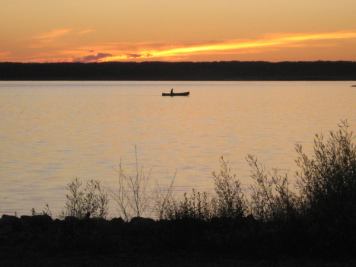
[(134, 55), (94, 58)]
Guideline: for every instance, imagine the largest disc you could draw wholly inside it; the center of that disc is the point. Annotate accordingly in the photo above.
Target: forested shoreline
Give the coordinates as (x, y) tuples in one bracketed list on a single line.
[(182, 71)]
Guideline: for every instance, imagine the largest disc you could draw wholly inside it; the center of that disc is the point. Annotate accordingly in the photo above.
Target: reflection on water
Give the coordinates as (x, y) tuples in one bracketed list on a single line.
[(51, 132)]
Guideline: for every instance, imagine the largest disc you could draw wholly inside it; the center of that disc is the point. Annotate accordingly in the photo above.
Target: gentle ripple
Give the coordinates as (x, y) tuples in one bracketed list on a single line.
[(51, 132)]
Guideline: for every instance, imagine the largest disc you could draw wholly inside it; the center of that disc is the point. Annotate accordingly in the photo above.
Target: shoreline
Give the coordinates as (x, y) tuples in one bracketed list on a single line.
[(39, 239), (182, 71), (88, 80)]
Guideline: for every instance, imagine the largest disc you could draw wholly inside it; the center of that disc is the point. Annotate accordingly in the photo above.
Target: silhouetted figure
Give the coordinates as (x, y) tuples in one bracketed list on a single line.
[(87, 215), (172, 91)]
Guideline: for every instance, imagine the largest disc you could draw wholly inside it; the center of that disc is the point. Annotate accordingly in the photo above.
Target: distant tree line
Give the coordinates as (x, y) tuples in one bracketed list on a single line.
[(180, 71)]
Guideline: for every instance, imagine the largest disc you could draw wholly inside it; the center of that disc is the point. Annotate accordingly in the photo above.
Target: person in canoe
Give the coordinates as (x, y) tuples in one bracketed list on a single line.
[(172, 91)]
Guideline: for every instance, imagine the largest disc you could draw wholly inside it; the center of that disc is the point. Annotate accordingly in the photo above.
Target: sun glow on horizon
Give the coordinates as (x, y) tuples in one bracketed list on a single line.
[(111, 52), (278, 41), (176, 30)]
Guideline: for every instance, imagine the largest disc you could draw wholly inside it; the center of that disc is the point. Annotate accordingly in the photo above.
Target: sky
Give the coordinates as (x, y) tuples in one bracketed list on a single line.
[(176, 30)]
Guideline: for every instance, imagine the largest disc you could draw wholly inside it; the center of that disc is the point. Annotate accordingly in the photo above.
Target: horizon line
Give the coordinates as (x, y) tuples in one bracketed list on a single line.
[(179, 62)]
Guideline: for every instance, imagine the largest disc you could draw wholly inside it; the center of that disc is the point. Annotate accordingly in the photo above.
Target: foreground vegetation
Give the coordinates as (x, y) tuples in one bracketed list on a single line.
[(270, 221)]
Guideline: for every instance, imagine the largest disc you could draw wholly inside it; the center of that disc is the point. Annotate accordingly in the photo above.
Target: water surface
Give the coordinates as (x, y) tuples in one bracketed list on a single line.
[(51, 132)]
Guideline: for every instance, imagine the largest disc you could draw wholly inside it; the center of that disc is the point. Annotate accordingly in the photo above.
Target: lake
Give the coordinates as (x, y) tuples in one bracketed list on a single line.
[(52, 132)]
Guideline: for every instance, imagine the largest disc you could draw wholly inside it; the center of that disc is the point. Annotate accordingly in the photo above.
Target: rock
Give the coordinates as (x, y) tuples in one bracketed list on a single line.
[(10, 222)]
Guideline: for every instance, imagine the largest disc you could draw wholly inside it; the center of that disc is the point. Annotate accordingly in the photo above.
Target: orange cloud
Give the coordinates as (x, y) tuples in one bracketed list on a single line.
[(4, 54), (52, 35), (85, 31), (47, 38), (277, 41), (64, 45)]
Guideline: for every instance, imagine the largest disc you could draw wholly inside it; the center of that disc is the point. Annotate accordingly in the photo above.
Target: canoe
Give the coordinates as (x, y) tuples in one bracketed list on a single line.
[(353, 85), (176, 94)]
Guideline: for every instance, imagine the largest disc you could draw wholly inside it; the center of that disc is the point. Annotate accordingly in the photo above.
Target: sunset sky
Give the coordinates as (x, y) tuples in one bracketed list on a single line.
[(184, 30)]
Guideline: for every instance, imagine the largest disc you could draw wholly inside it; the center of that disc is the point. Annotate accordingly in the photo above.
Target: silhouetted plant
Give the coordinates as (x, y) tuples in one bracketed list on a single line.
[(271, 198), (90, 201), (131, 195), (163, 199), (229, 201), (195, 205), (327, 180), (45, 211)]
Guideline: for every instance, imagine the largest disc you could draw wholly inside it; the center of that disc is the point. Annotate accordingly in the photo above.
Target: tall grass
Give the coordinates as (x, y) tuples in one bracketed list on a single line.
[(164, 199), (131, 195), (228, 200), (193, 205)]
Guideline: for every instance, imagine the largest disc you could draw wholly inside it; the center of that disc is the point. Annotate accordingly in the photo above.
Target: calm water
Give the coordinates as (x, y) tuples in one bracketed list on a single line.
[(51, 132)]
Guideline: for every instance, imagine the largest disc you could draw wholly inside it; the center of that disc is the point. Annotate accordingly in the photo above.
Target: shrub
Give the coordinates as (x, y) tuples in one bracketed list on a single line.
[(327, 180), (90, 201), (45, 211), (195, 205), (229, 201), (271, 198)]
